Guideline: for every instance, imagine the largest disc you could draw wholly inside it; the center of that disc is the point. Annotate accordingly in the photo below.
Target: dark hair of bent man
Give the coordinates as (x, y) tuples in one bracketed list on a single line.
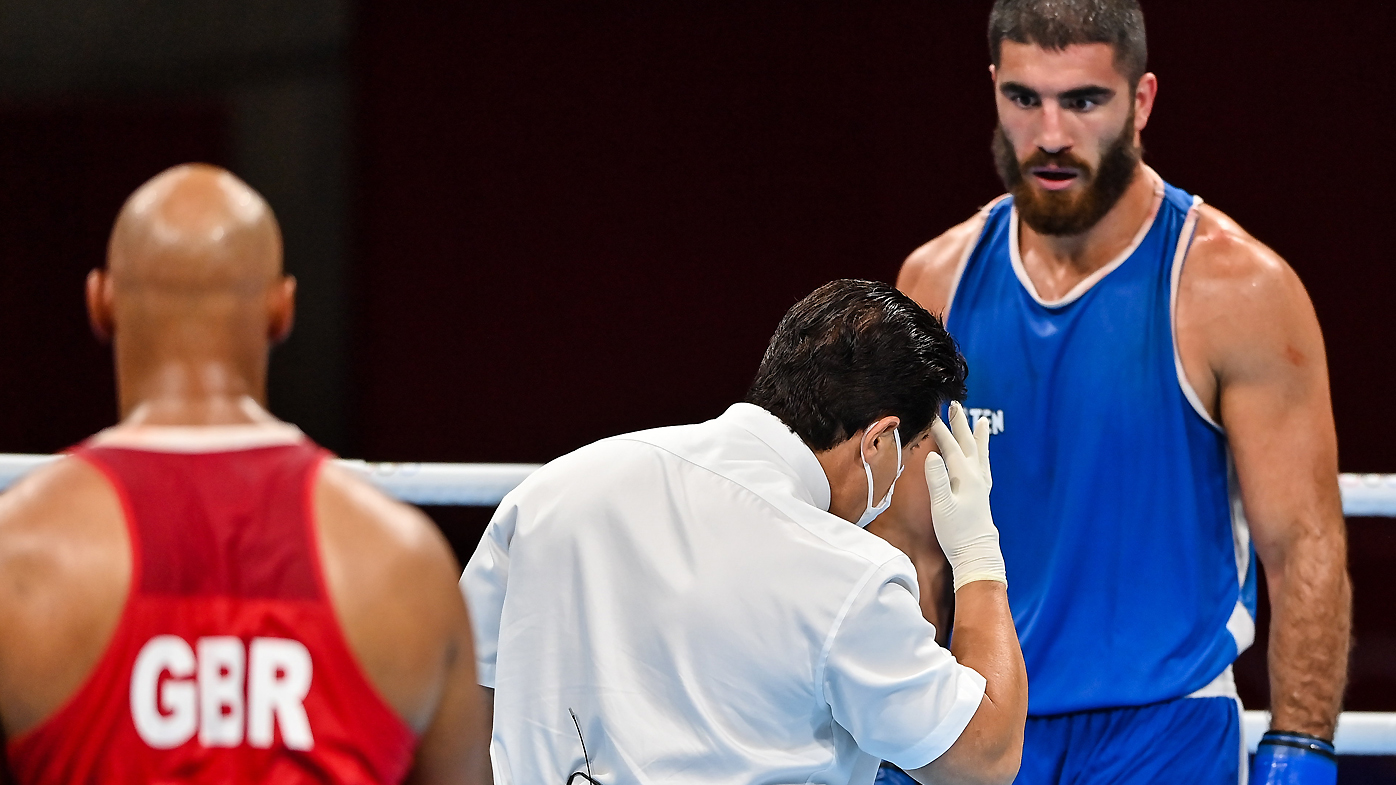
[(1057, 24), (851, 353)]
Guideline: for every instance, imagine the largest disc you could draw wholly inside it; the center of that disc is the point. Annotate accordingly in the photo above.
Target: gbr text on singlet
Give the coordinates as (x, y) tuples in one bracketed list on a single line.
[(226, 691)]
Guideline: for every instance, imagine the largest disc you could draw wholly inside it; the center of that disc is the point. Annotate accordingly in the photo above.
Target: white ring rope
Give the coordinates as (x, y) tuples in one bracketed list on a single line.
[(1359, 732), (484, 485), (454, 484), (1368, 494), (461, 484)]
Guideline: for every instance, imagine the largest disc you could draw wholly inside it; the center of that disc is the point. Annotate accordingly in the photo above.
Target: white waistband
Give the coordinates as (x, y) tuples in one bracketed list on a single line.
[(1223, 686)]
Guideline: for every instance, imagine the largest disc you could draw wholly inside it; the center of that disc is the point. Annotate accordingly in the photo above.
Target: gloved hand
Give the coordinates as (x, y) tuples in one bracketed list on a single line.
[(1285, 758), (959, 482)]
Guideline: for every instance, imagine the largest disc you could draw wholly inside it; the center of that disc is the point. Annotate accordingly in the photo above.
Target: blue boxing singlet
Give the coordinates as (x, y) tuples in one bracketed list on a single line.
[(1129, 561)]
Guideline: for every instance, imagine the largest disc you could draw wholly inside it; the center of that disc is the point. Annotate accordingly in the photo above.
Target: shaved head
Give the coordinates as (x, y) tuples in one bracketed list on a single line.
[(198, 229), (193, 294)]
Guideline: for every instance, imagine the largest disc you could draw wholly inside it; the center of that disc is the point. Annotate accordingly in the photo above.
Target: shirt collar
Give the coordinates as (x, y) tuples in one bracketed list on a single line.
[(777, 435)]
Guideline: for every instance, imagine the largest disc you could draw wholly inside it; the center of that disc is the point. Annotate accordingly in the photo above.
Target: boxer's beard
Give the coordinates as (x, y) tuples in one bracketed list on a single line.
[(1074, 210)]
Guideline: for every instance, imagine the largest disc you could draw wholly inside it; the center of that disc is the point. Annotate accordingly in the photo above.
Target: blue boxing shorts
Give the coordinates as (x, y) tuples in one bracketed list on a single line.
[(1196, 741)]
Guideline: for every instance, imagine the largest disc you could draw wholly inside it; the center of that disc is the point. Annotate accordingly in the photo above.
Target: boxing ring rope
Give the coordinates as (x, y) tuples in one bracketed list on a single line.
[(446, 484), (485, 484)]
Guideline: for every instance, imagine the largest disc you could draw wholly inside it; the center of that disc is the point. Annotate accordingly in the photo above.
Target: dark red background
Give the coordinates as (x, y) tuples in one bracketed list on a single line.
[(575, 222), (581, 222)]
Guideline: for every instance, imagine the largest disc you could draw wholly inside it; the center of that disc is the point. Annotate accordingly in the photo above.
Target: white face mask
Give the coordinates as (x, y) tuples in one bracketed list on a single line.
[(875, 510)]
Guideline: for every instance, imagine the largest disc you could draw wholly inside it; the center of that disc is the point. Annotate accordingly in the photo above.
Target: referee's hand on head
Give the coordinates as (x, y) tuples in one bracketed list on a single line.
[(907, 524)]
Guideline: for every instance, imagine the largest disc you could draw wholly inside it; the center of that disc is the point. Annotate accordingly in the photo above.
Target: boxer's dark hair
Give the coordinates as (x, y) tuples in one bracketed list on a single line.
[(1057, 24), (852, 353)]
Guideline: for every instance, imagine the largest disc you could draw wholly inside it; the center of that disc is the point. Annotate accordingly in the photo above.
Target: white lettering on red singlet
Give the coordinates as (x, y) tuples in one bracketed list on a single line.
[(277, 682), (220, 676), (171, 721), (175, 694)]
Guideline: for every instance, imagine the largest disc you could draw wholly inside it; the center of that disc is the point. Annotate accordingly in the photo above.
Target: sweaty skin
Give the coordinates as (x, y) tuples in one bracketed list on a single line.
[(1250, 346), (192, 299)]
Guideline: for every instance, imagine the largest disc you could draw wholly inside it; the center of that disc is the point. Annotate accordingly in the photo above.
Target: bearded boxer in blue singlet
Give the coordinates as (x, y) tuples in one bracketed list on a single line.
[(1156, 382)]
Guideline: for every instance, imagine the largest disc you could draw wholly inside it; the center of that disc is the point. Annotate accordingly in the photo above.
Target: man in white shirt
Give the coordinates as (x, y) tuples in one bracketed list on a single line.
[(696, 604)]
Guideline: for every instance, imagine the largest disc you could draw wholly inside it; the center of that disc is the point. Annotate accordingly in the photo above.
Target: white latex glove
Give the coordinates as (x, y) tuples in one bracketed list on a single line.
[(959, 481)]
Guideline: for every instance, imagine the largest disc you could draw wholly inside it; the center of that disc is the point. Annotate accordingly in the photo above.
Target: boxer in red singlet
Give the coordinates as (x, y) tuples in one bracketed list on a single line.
[(197, 594)]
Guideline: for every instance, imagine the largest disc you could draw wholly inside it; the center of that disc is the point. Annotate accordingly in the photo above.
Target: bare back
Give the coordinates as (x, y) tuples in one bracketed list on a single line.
[(66, 565)]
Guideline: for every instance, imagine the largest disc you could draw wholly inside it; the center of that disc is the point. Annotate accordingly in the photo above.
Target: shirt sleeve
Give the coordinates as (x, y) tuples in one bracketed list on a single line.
[(484, 582), (900, 695)]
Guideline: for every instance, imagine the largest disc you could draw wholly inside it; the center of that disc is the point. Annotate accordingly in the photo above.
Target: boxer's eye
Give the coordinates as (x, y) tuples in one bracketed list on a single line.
[(1021, 97), (1085, 99)]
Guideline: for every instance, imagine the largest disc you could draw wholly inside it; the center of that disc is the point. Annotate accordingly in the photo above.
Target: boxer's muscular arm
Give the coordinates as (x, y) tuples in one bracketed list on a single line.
[(456, 747), (926, 277), (1251, 347), (393, 582), (65, 572)]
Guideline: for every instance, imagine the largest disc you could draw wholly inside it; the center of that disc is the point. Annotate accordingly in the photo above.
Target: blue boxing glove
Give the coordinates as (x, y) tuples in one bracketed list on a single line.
[(1285, 758)]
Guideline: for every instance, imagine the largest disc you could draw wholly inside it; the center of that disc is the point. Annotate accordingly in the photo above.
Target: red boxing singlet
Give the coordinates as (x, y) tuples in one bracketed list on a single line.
[(228, 664)]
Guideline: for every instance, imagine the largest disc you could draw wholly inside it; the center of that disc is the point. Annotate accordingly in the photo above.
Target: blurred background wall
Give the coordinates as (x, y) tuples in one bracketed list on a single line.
[(96, 96), (520, 227)]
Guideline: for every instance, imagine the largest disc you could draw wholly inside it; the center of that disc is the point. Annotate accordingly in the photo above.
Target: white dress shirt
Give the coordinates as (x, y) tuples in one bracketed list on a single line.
[(687, 594)]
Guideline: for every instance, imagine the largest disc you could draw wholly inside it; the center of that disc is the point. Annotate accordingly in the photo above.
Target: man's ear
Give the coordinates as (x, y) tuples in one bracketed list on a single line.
[(993, 73), (879, 435), (281, 309), (99, 305), (1144, 95)]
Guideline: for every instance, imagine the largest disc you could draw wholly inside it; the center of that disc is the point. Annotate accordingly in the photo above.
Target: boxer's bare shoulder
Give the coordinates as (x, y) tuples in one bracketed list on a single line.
[(393, 581), (65, 571), (1223, 252), (1242, 310), (928, 274)]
